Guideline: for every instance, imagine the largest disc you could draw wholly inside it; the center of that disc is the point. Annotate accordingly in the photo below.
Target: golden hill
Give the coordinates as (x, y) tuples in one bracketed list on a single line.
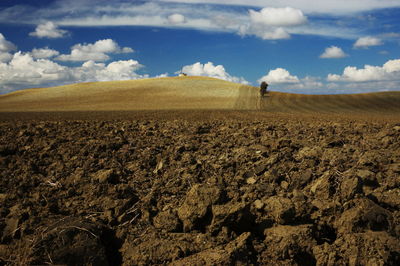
[(145, 94), (196, 93)]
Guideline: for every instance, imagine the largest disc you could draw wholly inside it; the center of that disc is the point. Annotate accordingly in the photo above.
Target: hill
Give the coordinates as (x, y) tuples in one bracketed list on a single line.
[(195, 93), (145, 94)]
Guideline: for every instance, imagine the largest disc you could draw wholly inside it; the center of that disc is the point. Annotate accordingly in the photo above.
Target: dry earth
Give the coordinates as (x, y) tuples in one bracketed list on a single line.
[(288, 187)]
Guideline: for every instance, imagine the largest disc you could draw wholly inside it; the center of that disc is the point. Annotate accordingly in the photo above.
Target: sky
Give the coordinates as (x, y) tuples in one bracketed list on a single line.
[(297, 46)]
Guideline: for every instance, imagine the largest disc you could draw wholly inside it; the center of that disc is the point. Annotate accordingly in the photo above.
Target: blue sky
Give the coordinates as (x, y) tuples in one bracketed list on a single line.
[(299, 46)]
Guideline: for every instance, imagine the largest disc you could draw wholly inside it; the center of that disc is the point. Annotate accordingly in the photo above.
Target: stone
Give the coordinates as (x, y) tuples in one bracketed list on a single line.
[(167, 220), (308, 152), (197, 202), (233, 253), (105, 176), (280, 209), (251, 180), (11, 229), (260, 169), (364, 216), (258, 204), (234, 215), (368, 177), (350, 187), (322, 187), (389, 197), (286, 242)]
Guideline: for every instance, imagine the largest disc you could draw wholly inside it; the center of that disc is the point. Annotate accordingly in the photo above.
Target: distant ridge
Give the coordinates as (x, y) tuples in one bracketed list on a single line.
[(196, 93)]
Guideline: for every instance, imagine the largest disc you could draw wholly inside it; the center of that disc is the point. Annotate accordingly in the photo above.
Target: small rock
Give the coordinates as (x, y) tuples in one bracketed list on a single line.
[(322, 187), (272, 159), (395, 167), (233, 253), (308, 152), (396, 128), (248, 174), (368, 177), (197, 202), (3, 197), (286, 242), (284, 185), (364, 216), (11, 229), (389, 197), (260, 169), (167, 220), (350, 187), (369, 158), (370, 248), (104, 176), (159, 166), (251, 181), (258, 204), (234, 215), (281, 209)]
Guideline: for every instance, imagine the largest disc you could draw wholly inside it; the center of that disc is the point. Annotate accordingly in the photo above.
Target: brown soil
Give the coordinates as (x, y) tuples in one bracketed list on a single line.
[(199, 188)]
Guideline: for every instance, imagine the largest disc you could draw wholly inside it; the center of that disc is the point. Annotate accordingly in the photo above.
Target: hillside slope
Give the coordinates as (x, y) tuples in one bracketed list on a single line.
[(146, 94), (195, 93)]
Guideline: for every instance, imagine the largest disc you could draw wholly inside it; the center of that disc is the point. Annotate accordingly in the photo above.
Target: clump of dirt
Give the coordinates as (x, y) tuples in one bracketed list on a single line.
[(216, 190)]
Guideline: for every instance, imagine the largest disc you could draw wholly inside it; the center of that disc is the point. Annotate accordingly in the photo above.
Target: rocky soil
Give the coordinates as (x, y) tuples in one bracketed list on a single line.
[(241, 189)]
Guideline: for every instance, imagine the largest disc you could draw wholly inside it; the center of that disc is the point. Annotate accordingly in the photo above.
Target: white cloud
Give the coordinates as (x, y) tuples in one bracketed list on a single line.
[(365, 42), (337, 7), (176, 19), (275, 34), (5, 57), (97, 51), (205, 17), (48, 30), (118, 70), (209, 70), (333, 52), (390, 71), (279, 75), (25, 71), (270, 16), (43, 53), (6, 46), (392, 66), (272, 23)]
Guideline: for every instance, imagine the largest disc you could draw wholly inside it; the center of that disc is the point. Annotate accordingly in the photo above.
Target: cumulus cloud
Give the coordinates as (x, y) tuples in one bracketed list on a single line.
[(5, 57), (97, 51), (176, 19), (43, 53), (333, 52), (388, 72), (365, 42), (210, 70), (48, 30), (24, 70), (118, 70), (272, 23), (279, 75), (270, 16), (275, 34), (5, 48)]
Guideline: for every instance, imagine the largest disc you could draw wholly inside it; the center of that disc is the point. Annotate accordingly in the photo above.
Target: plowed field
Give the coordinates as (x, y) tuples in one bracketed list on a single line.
[(311, 183)]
